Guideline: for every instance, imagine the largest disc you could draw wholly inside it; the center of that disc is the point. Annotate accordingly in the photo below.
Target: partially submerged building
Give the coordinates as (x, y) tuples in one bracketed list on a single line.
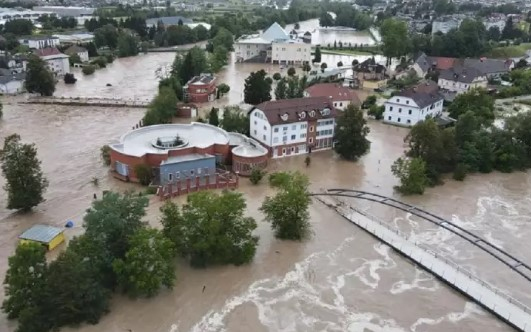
[(185, 153), (200, 89), (48, 236)]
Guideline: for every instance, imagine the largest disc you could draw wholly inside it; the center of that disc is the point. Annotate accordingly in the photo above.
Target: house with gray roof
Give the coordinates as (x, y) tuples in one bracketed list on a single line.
[(461, 79), (412, 105), (168, 21), (492, 68), (11, 82)]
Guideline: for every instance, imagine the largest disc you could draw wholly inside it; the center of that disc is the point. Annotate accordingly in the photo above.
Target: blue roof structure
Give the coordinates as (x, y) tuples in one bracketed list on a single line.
[(275, 32), (41, 233)]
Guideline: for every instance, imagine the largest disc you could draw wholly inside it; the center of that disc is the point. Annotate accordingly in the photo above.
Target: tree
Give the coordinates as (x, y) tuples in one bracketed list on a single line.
[(1, 112), (257, 88), (25, 182), (88, 70), (280, 90), (291, 71), (317, 55), (162, 108), (107, 35), (323, 67), (288, 209), (74, 58), (369, 102), (494, 33), (223, 88), (256, 175), (350, 134), (25, 278), (277, 76), (18, 27), (522, 63), (69, 78), (395, 38), (194, 63), (148, 264), (213, 118), (235, 120), (143, 173), (39, 78), (211, 229), (376, 111), (326, 20), (127, 45), (306, 67), (114, 219), (476, 100), (412, 175)]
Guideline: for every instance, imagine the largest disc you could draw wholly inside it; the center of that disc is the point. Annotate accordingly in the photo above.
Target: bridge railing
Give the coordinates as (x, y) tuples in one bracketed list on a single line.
[(449, 262)]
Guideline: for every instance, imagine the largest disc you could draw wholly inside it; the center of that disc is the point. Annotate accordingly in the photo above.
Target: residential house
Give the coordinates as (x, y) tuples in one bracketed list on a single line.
[(424, 64), (200, 89), (39, 42), (167, 21), (11, 82), (273, 46), (340, 96), (369, 74), (461, 79), (445, 24), (492, 68), (80, 51), (57, 62), (412, 105), (294, 126), (15, 63)]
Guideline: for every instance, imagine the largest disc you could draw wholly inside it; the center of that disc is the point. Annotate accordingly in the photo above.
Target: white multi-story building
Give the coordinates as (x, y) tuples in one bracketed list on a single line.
[(57, 62), (462, 79), (294, 126), (413, 105), (274, 46), (39, 42), (341, 96), (80, 51), (445, 24)]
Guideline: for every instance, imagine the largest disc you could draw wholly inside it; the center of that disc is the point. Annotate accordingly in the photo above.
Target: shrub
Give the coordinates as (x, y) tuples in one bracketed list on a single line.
[(256, 175), (69, 78), (109, 57), (105, 153), (88, 70), (277, 76), (460, 172), (100, 62), (144, 174), (291, 71)]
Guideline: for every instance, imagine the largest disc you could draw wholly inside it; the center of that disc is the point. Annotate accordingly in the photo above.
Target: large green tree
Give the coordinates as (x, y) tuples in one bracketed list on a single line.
[(476, 100), (25, 182), (412, 175), (257, 88), (163, 107), (25, 278), (127, 44), (288, 209), (235, 120), (395, 38), (351, 134), (148, 264), (107, 35), (194, 63), (280, 89), (211, 229), (39, 78)]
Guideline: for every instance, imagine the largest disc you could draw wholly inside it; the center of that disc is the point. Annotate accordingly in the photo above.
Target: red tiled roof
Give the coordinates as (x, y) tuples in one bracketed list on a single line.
[(296, 110), (334, 91), (442, 63), (47, 51)]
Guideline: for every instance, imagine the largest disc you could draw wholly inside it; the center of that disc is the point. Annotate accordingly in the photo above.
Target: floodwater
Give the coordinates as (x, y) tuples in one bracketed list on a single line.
[(341, 279), (325, 36)]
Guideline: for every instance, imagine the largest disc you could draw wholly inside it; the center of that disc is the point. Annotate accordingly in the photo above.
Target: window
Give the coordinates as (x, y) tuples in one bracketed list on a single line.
[(199, 171), (265, 128), (340, 104), (303, 135), (177, 175), (311, 140), (191, 172), (389, 118), (284, 138), (284, 151), (293, 137), (335, 104), (255, 131), (311, 129), (294, 127), (292, 149), (398, 119), (397, 100), (409, 112), (255, 123), (275, 140), (303, 126), (399, 110), (264, 137), (275, 130), (285, 128), (391, 109), (407, 102), (408, 121), (170, 177)]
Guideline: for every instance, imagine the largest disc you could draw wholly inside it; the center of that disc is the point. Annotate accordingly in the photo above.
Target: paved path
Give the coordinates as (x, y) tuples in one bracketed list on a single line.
[(508, 309)]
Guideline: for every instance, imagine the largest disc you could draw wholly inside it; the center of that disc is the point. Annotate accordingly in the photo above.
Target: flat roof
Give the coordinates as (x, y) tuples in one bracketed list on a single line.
[(188, 157), (246, 146), (41, 233), (139, 142)]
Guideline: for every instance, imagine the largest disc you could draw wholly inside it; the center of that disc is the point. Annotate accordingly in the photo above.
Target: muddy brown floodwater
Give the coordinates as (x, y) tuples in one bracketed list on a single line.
[(339, 280)]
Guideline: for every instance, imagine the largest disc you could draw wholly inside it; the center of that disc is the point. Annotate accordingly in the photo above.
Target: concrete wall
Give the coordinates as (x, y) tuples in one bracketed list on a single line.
[(291, 53)]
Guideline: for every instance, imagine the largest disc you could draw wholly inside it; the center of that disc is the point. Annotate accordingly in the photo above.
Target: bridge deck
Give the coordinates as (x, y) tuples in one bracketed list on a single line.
[(508, 309)]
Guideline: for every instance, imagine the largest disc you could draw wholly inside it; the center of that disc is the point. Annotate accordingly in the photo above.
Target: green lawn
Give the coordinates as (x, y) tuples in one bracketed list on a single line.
[(509, 51)]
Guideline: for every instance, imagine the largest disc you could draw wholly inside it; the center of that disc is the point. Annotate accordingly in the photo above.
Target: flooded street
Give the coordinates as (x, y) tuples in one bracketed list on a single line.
[(339, 280)]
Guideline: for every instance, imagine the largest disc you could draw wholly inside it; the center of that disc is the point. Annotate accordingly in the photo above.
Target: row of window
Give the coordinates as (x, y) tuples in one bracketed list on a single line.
[(293, 127), (398, 120), (325, 123), (188, 174), (285, 138), (325, 132), (399, 110)]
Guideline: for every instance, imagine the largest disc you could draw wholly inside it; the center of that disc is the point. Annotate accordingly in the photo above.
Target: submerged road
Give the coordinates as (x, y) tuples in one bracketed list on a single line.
[(503, 306)]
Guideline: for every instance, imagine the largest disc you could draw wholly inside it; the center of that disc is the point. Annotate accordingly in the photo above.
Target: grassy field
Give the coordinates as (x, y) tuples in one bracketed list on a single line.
[(510, 51), (325, 50)]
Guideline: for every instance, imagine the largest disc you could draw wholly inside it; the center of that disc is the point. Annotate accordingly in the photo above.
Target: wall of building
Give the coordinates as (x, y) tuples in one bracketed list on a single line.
[(399, 112), (260, 129), (244, 165), (83, 56), (12, 87), (246, 51), (60, 66), (41, 43), (191, 169), (374, 84), (459, 87), (291, 53)]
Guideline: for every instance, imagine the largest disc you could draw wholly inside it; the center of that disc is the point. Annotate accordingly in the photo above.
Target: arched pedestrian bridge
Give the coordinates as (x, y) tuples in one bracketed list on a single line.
[(505, 307)]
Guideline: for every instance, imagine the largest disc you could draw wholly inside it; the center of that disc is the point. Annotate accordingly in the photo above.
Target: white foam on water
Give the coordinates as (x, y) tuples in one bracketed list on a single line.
[(453, 317), (372, 322), (367, 273), (420, 281)]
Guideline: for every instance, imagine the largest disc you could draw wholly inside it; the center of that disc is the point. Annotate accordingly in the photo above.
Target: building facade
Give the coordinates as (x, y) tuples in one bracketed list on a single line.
[(200, 89), (80, 51), (57, 62), (460, 79), (273, 46), (39, 42), (294, 126), (12, 84), (410, 106), (369, 75)]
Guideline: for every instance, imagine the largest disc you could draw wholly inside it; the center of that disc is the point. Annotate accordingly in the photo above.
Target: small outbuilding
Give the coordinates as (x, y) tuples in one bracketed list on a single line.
[(48, 236)]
